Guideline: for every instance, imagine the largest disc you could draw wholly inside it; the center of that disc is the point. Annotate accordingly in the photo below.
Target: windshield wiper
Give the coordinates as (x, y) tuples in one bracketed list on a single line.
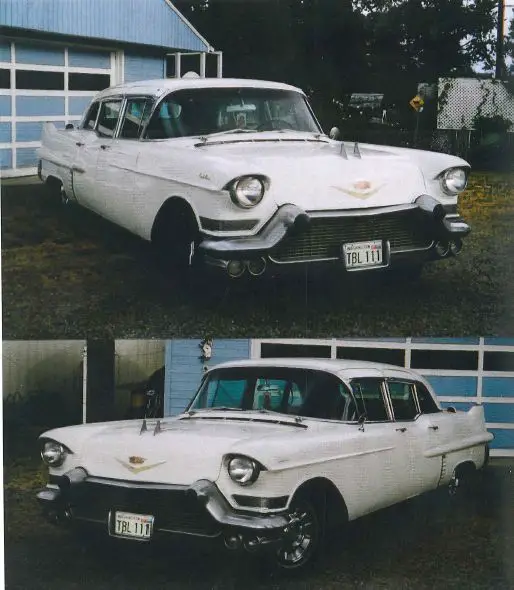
[(207, 136)]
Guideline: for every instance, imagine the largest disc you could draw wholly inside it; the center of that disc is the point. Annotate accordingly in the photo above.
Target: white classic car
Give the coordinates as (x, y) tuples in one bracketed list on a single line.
[(238, 175), (268, 454)]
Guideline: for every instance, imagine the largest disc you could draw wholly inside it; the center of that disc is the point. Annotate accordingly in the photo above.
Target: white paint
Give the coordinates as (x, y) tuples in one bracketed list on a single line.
[(373, 466)]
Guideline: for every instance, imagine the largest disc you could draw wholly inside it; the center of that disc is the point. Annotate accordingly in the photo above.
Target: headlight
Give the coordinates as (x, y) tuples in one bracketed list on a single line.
[(454, 180), (53, 453), (243, 470), (247, 191)]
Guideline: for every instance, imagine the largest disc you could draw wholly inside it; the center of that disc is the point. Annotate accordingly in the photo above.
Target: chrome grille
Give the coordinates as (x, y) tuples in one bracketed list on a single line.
[(173, 509), (405, 230)]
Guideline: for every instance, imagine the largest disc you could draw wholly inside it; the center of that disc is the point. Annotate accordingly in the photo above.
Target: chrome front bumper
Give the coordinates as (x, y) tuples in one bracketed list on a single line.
[(200, 509), (411, 235)]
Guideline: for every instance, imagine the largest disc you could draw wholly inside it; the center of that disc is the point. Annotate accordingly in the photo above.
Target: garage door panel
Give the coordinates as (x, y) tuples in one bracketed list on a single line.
[(5, 132), (503, 438), (32, 106), (78, 104), (5, 51), (39, 54), (5, 106), (84, 58), (26, 157), (5, 159)]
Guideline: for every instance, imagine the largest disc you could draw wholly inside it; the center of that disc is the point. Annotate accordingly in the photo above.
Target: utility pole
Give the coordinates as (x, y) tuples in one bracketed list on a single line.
[(500, 59)]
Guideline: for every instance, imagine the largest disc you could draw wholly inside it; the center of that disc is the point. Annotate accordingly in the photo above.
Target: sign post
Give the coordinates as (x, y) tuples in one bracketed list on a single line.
[(417, 104)]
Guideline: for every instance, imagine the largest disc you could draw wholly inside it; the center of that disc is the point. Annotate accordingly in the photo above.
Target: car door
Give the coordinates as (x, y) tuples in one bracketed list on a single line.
[(90, 192), (116, 170), (383, 461), (415, 435), (85, 156)]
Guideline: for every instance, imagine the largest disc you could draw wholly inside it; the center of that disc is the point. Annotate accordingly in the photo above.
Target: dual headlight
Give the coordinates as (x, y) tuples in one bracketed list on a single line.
[(243, 470), (53, 453), (247, 191), (454, 180)]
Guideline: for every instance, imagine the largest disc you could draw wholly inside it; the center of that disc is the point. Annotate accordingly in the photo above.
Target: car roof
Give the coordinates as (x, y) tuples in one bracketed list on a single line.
[(164, 85), (330, 365)]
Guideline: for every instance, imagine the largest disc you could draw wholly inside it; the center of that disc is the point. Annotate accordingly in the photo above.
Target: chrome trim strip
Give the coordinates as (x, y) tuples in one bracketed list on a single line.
[(136, 485), (361, 212)]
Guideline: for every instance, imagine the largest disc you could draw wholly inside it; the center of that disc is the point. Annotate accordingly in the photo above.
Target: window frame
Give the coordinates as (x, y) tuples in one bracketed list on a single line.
[(82, 125), (115, 131), (412, 384), (421, 413), (123, 111), (385, 398)]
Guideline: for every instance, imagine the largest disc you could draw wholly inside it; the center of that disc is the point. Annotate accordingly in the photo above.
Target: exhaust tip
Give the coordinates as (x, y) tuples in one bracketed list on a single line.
[(233, 542), (257, 267), (236, 268), (456, 247), (442, 249)]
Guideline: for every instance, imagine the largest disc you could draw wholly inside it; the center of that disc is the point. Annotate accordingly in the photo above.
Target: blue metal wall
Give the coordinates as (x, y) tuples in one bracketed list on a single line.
[(143, 67), (184, 369), (145, 22)]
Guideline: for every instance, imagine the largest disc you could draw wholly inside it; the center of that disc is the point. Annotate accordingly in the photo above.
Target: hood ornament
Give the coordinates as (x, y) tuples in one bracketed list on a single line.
[(343, 151), (143, 427), (134, 460), (356, 150), (157, 428), (360, 189)]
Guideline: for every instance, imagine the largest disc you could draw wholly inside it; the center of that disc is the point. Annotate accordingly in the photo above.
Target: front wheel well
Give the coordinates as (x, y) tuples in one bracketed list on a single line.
[(174, 208), (326, 498)]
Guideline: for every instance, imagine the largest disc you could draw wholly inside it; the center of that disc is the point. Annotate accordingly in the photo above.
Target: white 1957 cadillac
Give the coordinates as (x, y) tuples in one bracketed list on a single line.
[(238, 175), (268, 454)]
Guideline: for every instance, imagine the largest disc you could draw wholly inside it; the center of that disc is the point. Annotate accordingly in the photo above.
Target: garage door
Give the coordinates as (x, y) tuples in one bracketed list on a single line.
[(44, 82)]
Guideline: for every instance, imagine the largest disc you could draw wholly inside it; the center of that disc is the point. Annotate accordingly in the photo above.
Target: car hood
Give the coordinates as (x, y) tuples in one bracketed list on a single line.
[(178, 451), (315, 174)]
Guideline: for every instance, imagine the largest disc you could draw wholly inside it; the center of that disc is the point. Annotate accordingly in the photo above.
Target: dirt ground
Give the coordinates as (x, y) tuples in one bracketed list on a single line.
[(432, 542), (67, 273)]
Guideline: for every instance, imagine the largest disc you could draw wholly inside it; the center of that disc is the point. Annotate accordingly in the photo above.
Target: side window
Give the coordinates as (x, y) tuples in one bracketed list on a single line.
[(92, 114), (426, 402), (370, 400), (108, 119), (325, 400), (402, 399), (136, 116)]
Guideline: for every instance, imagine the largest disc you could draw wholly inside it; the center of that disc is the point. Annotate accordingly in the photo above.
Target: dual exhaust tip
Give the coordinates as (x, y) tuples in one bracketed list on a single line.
[(235, 542), (444, 249), (237, 268)]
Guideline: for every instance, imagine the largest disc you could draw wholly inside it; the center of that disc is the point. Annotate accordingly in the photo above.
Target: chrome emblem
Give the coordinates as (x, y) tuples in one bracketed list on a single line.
[(360, 189), (136, 466), (136, 460)]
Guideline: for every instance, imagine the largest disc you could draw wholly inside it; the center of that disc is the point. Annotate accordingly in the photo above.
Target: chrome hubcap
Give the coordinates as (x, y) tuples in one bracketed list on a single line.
[(299, 539)]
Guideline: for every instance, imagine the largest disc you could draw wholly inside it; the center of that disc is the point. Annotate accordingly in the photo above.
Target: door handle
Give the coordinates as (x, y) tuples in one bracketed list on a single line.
[(79, 143), (433, 427), (403, 429), (105, 147)]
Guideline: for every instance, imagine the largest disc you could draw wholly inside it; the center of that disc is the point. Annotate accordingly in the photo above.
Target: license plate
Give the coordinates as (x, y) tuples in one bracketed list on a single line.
[(363, 254), (135, 526)]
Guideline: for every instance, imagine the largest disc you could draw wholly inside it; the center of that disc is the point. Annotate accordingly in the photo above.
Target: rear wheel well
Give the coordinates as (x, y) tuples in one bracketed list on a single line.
[(174, 208), (326, 498), (465, 470)]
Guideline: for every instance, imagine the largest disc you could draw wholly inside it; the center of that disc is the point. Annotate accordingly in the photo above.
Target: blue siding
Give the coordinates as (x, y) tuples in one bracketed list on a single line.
[(499, 341), (453, 386), (78, 104), (498, 387), (467, 340), (146, 22), (139, 67), (34, 53), (499, 412), (5, 133), (39, 105), (184, 369), (5, 106), (5, 159), (5, 51), (503, 438), (26, 157), (83, 58)]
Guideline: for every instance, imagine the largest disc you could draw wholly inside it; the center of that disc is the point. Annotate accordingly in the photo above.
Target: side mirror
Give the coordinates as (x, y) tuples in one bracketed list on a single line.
[(69, 126), (335, 133)]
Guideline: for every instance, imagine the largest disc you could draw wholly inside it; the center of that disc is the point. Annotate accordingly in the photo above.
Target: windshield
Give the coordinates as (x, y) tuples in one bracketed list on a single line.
[(297, 392), (202, 111)]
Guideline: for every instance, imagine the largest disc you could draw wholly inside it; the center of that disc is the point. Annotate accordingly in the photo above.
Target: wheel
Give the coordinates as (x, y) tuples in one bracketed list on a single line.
[(176, 241), (304, 537)]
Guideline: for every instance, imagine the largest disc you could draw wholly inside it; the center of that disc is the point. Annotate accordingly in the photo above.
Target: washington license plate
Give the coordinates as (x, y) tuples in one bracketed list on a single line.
[(135, 526), (363, 254)]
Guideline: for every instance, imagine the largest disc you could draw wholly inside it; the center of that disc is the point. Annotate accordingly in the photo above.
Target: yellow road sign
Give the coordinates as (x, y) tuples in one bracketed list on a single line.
[(417, 103)]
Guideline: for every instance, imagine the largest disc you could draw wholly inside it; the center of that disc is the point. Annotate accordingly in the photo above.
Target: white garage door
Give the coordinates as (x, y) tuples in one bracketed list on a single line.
[(44, 82)]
